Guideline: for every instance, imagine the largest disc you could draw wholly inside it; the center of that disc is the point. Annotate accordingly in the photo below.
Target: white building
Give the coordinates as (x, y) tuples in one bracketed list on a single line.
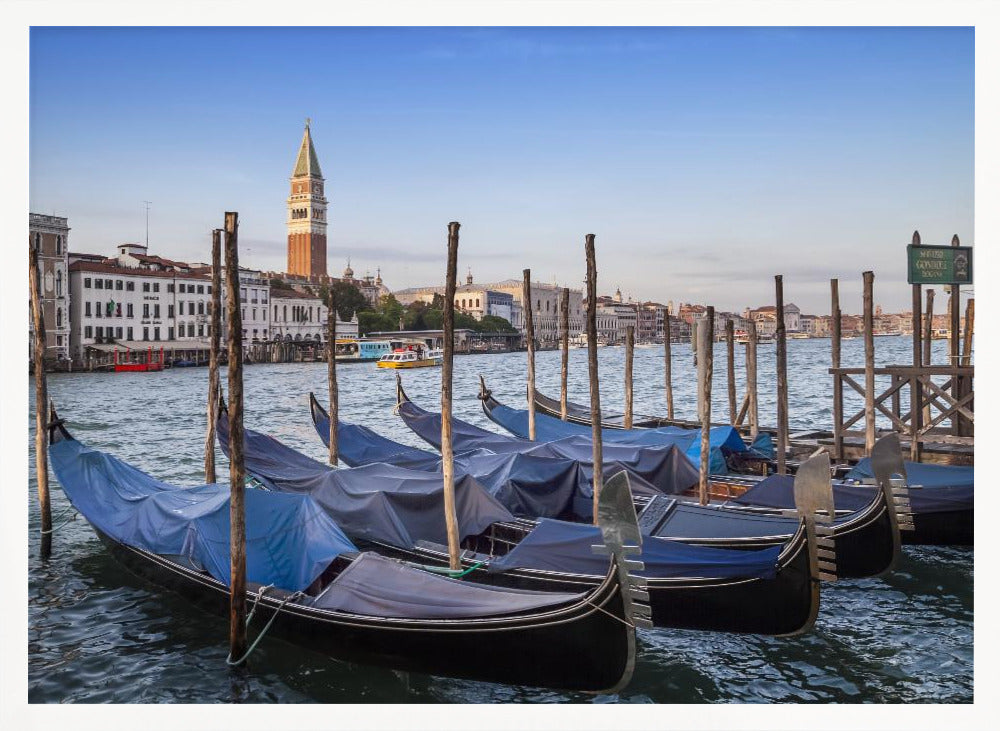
[(613, 320), (301, 317), (134, 297), (545, 303)]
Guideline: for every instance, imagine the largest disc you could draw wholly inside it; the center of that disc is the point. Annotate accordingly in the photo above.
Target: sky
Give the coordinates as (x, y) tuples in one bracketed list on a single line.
[(705, 160)]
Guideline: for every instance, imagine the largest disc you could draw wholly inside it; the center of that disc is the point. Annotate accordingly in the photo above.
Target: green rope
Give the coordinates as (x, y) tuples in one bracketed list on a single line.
[(451, 573), (253, 646), (67, 522)]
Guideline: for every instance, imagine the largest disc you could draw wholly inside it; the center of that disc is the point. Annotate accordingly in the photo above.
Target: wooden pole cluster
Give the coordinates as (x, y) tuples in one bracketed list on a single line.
[(629, 354), (331, 376), (214, 338), (869, 322), (752, 379), (564, 379), (731, 369), (595, 390), (916, 390), (838, 385), (447, 362), (529, 326), (237, 473), (782, 366), (706, 338), (41, 402), (666, 365)]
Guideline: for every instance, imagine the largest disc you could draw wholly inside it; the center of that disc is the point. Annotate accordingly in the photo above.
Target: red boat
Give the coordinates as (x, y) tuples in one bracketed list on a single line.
[(132, 360)]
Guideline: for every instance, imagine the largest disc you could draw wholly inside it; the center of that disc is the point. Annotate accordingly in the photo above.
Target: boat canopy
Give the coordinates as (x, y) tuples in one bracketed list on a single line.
[(378, 586), (919, 473), (290, 540), (565, 547), (379, 502)]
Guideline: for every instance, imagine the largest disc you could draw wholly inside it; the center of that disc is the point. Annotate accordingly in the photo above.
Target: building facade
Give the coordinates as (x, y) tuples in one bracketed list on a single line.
[(297, 316), (545, 305), (49, 236), (307, 208)]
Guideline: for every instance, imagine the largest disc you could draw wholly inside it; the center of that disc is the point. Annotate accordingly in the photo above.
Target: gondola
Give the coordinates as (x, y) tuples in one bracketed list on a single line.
[(774, 590), (868, 540), (357, 606)]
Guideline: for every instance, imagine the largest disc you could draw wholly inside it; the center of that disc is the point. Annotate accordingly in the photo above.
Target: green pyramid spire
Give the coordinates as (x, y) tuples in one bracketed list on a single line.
[(307, 163)]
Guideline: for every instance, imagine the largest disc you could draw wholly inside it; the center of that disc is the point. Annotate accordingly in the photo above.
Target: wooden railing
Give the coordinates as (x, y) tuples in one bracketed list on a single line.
[(935, 403)]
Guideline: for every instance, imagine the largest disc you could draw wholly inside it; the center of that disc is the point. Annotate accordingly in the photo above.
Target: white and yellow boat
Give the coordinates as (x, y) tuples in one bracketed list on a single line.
[(406, 358)]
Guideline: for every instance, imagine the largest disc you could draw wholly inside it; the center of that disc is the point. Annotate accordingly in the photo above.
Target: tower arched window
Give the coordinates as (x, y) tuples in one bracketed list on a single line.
[(58, 283), (38, 243), (59, 244), (59, 317)]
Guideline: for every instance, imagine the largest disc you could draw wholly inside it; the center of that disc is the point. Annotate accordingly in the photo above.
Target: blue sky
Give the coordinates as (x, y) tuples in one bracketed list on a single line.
[(705, 160)]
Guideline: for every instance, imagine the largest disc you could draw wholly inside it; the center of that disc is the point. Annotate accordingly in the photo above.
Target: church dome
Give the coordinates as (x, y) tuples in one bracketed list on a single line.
[(348, 272)]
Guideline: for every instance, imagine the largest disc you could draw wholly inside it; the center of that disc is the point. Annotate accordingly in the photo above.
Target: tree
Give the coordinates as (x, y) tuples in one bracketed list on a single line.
[(349, 300), (389, 307), (492, 323)]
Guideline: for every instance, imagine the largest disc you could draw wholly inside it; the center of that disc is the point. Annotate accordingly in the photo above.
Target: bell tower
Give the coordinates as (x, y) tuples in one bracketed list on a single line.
[(307, 213)]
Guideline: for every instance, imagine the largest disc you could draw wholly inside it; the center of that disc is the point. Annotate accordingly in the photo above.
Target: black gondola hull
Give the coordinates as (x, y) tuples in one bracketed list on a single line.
[(951, 528), (576, 648)]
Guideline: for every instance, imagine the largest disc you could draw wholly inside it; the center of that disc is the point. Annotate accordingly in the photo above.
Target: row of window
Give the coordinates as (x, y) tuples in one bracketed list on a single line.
[(146, 286), (114, 309), (90, 332), (38, 243), (253, 296), (300, 313)]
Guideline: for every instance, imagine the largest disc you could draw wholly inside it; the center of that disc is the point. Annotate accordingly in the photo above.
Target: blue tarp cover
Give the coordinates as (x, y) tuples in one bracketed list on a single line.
[(651, 470), (550, 429), (290, 539), (541, 481), (558, 546), (776, 491), (379, 502), (918, 473)]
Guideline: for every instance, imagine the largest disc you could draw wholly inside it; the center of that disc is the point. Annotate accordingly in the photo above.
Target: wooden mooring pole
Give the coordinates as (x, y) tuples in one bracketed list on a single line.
[(752, 378), (781, 349), (529, 326), (869, 323), (731, 370), (706, 342), (331, 375), (629, 354), (564, 375), (838, 384), (41, 403), (666, 365), (928, 334), (955, 302), (916, 390), (447, 363), (237, 473), (214, 338), (595, 390), (970, 316)]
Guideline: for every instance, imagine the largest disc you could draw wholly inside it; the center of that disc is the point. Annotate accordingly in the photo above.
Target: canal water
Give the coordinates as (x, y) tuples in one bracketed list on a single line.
[(97, 634)]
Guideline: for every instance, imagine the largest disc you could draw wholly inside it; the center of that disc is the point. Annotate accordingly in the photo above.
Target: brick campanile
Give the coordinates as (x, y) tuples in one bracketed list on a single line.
[(307, 213)]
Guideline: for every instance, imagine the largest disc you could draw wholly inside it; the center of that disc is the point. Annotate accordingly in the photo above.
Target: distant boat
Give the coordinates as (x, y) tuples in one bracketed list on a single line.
[(408, 358), (138, 361)]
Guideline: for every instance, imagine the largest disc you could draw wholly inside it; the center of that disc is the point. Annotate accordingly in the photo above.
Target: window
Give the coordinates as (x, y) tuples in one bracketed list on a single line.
[(97, 309), (109, 284), (58, 244), (170, 288), (129, 313), (254, 313), (170, 333), (118, 309), (255, 333), (86, 309), (201, 307), (156, 333), (477, 302), (285, 317), (119, 284), (539, 306), (129, 333), (243, 294), (118, 333), (38, 243), (59, 340), (201, 330), (243, 313), (88, 332), (156, 288), (100, 332), (129, 286), (210, 289), (59, 317), (98, 284), (190, 329), (145, 333), (201, 289), (170, 313), (156, 312), (86, 282), (275, 312), (145, 286), (263, 298), (145, 311)]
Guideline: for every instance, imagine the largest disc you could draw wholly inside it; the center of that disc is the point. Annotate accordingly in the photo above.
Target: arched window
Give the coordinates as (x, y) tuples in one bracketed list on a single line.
[(285, 316), (58, 283), (58, 244), (59, 317), (38, 243)]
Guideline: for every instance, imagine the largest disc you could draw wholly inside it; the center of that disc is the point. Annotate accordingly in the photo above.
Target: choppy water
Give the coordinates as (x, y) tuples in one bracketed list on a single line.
[(97, 634)]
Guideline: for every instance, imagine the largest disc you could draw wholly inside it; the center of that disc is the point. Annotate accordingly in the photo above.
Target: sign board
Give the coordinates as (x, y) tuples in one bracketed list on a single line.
[(939, 264)]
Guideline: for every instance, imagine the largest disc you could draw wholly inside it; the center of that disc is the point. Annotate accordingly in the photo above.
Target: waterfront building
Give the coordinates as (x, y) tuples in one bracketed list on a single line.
[(307, 220), (134, 300), (766, 318), (298, 316), (546, 299), (49, 236), (649, 321)]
